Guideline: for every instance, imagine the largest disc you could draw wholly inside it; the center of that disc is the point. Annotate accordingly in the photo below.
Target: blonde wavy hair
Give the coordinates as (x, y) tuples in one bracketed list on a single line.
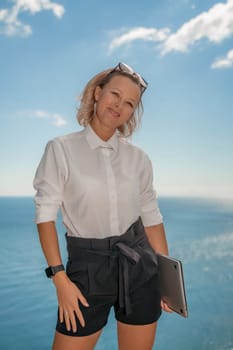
[(86, 109)]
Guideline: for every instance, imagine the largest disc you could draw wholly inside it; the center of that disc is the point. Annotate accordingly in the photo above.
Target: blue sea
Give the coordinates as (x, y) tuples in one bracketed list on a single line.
[(200, 233)]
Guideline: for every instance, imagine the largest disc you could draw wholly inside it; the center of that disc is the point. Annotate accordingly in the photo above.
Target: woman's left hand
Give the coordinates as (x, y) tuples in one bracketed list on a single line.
[(165, 307)]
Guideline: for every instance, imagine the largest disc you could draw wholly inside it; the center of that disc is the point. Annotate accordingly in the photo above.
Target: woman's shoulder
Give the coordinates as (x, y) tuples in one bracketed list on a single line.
[(132, 147), (61, 143), (68, 138)]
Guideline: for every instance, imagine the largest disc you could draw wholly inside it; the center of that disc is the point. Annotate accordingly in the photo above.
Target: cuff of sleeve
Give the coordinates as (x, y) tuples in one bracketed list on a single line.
[(45, 213), (151, 218)]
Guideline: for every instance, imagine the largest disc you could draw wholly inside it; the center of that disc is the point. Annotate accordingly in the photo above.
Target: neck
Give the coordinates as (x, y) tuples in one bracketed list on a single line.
[(103, 132)]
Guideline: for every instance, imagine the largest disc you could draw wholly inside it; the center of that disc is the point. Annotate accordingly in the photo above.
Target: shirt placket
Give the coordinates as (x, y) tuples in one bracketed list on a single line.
[(112, 192)]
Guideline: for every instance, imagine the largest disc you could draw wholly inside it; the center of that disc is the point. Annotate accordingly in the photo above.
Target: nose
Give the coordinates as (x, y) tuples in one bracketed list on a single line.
[(118, 102)]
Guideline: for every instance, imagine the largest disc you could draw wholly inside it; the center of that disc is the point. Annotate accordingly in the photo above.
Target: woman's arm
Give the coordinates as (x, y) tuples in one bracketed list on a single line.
[(67, 292), (157, 238), (49, 243)]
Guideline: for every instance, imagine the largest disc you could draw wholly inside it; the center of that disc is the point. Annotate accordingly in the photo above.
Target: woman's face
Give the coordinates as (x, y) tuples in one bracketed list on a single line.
[(115, 103)]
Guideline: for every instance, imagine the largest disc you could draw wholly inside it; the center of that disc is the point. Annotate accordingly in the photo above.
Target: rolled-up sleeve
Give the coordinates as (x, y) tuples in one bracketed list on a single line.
[(49, 183), (150, 212)]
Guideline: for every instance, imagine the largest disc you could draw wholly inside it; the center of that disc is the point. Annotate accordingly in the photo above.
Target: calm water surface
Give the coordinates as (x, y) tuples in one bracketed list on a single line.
[(200, 233)]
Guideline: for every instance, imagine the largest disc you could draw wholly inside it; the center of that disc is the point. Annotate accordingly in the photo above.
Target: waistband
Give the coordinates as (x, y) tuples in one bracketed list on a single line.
[(109, 243), (122, 247)]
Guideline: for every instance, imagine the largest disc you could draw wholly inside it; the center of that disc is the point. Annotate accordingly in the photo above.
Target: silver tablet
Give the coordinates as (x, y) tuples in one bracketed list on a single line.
[(172, 286)]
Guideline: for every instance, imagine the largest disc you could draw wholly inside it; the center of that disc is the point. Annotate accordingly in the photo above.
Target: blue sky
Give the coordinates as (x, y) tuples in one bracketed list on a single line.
[(184, 49)]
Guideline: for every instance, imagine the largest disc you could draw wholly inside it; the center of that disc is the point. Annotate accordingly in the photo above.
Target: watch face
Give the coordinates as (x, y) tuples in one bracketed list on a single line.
[(49, 272)]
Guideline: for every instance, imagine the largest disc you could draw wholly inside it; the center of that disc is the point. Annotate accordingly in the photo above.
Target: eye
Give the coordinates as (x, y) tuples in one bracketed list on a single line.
[(115, 93), (130, 104)]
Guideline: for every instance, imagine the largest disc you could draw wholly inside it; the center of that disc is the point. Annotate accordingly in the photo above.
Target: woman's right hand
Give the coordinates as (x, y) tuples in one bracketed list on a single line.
[(69, 297)]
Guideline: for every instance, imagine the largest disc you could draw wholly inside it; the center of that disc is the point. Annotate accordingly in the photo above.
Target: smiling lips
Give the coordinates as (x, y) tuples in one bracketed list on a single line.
[(113, 113)]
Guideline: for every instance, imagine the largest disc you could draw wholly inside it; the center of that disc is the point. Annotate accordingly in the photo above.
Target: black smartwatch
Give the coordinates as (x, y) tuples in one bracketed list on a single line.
[(52, 270)]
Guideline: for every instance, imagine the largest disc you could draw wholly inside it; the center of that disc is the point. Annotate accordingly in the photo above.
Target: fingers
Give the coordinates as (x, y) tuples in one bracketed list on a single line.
[(61, 318), (72, 310), (67, 320), (69, 297), (70, 321), (77, 310), (165, 307), (82, 299), (68, 316)]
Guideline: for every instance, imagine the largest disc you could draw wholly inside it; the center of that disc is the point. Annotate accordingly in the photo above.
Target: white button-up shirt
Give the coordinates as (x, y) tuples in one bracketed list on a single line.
[(100, 187)]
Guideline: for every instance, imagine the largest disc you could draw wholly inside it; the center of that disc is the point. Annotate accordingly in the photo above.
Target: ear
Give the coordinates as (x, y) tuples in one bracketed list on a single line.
[(97, 93)]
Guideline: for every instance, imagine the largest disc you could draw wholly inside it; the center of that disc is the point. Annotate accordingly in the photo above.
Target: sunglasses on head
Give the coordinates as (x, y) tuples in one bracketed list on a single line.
[(123, 67)]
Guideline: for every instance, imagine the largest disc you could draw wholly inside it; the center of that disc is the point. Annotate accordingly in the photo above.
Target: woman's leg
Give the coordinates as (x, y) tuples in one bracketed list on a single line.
[(65, 342), (131, 337)]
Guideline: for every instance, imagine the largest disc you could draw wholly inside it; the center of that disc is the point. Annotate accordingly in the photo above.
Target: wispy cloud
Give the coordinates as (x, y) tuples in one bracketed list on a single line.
[(139, 33), (56, 119), (224, 62), (215, 25), (11, 25)]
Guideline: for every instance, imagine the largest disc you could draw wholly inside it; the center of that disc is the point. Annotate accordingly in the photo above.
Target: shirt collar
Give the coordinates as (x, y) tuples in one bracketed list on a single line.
[(95, 141)]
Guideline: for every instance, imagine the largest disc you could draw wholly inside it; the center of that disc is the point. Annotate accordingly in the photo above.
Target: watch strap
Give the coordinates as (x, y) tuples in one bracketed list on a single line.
[(52, 270)]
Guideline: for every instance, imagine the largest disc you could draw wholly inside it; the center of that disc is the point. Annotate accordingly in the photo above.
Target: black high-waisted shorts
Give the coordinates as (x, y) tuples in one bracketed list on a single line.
[(119, 271)]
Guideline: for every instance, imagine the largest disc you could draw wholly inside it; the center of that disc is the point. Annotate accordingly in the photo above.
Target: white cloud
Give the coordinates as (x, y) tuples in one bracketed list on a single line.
[(11, 24), (215, 25), (148, 34), (56, 119), (225, 62), (3, 14)]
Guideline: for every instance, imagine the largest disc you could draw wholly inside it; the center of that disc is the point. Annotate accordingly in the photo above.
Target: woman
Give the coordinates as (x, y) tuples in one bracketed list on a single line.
[(103, 185)]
